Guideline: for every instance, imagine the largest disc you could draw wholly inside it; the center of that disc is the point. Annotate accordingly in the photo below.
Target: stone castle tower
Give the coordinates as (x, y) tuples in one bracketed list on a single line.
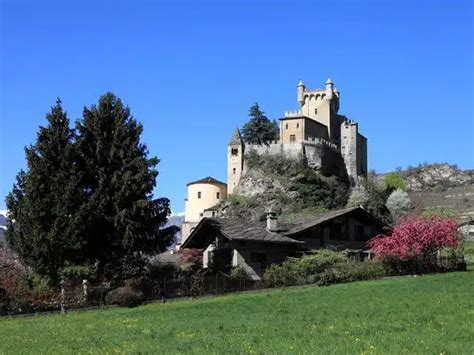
[(328, 140)]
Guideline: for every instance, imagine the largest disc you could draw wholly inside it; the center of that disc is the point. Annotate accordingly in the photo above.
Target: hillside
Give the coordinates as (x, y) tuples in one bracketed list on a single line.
[(422, 315), (439, 187)]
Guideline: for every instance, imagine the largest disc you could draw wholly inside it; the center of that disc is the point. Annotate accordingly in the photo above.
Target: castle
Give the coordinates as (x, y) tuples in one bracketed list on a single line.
[(329, 141)]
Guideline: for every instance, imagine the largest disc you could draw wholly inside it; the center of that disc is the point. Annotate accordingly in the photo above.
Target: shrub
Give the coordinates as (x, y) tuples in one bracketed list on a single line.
[(237, 273), (399, 204), (304, 270), (190, 259), (124, 296), (351, 271), (414, 243)]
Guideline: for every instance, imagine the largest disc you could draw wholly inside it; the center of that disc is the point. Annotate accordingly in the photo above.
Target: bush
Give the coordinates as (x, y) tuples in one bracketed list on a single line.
[(351, 271), (414, 244), (124, 296), (324, 267), (304, 270)]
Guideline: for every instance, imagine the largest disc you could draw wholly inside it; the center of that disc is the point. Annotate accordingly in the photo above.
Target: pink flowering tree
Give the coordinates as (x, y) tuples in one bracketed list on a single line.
[(415, 242)]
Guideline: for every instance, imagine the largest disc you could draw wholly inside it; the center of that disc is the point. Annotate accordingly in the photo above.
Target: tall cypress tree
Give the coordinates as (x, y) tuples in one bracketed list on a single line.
[(44, 199), (120, 218), (259, 129)]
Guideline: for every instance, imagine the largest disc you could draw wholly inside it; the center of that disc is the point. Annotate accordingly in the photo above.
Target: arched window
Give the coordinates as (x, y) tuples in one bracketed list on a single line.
[(234, 151), (233, 171), (199, 194)]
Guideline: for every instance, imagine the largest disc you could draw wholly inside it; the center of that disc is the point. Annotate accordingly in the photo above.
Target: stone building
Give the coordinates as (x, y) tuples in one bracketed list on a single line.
[(253, 245), (328, 140)]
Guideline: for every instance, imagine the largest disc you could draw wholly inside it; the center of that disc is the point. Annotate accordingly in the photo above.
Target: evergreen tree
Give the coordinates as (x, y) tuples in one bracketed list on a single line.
[(120, 219), (259, 129), (43, 201)]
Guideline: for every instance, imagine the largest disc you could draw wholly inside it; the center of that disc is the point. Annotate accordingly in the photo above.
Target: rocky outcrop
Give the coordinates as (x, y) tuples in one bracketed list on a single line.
[(255, 182), (434, 176)]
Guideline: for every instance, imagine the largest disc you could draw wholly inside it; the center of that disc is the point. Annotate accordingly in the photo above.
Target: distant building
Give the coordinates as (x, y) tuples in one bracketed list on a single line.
[(328, 140), (203, 194)]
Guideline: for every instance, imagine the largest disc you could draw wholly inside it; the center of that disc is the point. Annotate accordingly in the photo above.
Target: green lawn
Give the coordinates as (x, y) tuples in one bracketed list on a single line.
[(423, 315)]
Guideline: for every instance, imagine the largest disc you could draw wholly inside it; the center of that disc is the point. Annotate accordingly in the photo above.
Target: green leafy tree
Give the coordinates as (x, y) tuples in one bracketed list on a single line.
[(394, 181), (44, 199), (120, 219), (259, 129)]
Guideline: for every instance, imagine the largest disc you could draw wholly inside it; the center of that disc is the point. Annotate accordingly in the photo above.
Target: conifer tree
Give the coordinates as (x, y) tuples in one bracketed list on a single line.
[(43, 201), (120, 218), (259, 129)]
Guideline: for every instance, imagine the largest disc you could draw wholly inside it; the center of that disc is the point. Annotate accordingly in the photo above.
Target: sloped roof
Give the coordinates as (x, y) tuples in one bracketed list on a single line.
[(252, 231), (207, 180), (236, 137), (239, 230), (299, 227)]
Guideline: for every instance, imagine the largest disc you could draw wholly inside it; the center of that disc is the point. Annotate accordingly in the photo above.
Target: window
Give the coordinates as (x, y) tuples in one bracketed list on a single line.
[(213, 213), (233, 171), (359, 233), (297, 125), (292, 138), (199, 194), (315, 111), (200, 215), (258, 258), (218, 195), (286, 126), (234, 151), (336, 231)]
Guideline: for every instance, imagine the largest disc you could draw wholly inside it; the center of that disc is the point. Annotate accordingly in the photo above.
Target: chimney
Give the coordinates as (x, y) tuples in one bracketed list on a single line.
[(272, 220)]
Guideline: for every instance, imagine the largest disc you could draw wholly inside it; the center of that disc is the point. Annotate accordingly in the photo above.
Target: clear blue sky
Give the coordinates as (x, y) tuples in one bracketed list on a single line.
[(190, 70)]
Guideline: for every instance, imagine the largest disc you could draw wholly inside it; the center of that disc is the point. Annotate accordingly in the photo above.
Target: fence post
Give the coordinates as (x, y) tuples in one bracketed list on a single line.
[(85, 290), (63, 297)]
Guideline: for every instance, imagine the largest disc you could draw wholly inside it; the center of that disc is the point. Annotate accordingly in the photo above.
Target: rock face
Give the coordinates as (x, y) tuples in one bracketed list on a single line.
[(255, 182), (431, 176)]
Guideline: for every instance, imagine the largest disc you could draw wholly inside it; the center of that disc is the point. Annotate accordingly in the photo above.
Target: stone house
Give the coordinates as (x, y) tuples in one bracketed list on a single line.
[(253, 245)]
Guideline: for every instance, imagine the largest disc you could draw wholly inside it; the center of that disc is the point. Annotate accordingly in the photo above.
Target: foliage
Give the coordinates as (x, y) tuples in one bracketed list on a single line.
[(358, 197), (304, 270), (416, 241), (21, 291), (351, 271), (394, 181), (190, 259), (259, 129), (442, 212), (124, 296), (86, 198), (119, 217), (237, 273), (44, 200), (316, 190), (399, 204)]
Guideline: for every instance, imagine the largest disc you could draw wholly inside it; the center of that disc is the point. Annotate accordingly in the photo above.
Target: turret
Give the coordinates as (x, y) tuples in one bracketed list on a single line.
[(301, 88), (235, 160), (329, 88)]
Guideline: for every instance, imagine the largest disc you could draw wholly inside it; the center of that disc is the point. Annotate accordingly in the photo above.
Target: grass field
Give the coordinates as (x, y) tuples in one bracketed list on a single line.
[(430, 315)]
